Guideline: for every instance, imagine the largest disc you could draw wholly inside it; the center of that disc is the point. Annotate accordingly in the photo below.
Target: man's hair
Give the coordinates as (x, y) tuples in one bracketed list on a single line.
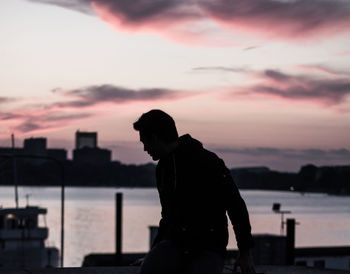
[(159, 123)]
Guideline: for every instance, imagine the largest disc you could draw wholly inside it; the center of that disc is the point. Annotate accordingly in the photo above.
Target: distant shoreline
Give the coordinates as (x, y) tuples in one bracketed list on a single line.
[(332, 180), (152, 187)]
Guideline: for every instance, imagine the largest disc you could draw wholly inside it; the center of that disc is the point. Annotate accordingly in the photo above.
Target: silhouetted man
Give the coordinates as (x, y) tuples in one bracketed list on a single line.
[(196, 190)]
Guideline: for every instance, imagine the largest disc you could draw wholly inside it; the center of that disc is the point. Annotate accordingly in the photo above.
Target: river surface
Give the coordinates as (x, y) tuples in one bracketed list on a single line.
[(90, 217)]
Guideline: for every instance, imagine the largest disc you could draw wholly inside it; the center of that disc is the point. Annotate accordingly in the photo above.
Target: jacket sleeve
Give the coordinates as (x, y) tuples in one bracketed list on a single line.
[(237, 211), (163, 226), (161, 232)]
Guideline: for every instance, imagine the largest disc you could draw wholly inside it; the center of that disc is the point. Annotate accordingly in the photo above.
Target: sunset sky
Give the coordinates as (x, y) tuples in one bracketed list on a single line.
[(259, 82)]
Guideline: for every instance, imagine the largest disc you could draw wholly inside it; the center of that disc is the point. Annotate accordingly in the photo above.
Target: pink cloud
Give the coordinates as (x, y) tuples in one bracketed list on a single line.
[(178, 21), (50, 121), (37, 117), (213, 22), (299, 87), (145, 14), (266, 18), (324, 69), (93, 95), (6, 100), (282, 19)]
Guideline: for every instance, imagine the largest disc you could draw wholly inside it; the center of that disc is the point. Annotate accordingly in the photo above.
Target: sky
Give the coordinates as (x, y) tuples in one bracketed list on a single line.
[(259, 82)]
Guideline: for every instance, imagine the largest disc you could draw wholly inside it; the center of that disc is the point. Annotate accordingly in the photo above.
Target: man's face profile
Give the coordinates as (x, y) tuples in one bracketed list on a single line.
[(151, 145)]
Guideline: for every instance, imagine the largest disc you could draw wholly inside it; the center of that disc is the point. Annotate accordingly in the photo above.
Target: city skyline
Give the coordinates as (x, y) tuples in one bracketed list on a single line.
[(261, 83)]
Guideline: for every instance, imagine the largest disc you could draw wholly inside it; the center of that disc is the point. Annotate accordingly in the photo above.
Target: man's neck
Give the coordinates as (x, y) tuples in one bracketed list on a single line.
[(169, 148)]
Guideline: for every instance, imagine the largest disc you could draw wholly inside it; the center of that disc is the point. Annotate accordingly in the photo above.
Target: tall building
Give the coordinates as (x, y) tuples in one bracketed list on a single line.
[(87, 151), (35, 146), (85, 139)]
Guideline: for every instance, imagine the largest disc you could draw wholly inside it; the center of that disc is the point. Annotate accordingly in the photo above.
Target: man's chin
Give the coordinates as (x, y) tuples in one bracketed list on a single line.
[(154, 158)]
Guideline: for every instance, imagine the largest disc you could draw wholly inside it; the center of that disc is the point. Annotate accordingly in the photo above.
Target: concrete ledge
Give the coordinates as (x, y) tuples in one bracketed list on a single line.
[(134, 269)]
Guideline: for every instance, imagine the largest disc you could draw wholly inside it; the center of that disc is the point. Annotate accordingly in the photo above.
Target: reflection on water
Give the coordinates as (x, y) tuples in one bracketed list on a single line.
[(90, 217)]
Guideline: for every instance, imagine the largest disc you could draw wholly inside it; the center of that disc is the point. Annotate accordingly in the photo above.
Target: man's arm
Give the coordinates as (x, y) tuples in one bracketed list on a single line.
[(163, 224), (237, 212), (160, 234), (239, 217)]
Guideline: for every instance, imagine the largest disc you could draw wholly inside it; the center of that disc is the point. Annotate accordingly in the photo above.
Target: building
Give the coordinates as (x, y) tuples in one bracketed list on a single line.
[(36, 147), (86, 149), (336, 257), (92, 155), (85, 139)]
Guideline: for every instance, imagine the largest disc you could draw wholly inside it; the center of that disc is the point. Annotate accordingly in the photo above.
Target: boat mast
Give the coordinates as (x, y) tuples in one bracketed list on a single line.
[(14, 169)]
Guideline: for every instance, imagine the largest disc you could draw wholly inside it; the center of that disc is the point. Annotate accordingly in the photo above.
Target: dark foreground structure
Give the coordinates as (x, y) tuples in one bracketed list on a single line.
[(134, 270)]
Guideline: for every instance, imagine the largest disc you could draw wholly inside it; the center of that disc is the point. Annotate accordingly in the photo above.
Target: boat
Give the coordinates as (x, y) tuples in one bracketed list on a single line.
[(22, 240)]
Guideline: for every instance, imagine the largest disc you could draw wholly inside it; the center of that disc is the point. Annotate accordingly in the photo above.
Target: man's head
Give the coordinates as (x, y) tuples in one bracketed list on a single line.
[(157, 133)]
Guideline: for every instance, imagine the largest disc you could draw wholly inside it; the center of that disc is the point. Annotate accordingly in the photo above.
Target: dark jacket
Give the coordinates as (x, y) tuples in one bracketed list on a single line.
[(196, 190)]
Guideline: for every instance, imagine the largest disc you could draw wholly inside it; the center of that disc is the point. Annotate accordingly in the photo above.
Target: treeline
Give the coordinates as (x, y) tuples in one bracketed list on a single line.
[(330, 179), (112, 174)]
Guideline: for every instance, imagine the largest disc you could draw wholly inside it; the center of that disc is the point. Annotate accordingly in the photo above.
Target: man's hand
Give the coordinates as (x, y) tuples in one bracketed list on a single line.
[(138, 262), (245, 263)]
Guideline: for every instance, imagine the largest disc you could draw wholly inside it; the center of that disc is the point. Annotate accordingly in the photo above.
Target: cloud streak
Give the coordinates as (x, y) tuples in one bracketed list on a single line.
[(197, 19), (4, 100), (94, 95), (286, 86), (4, 116), (325, 70), (65, 110), (142, 13), (39, 118), (220, 69), (282, 19), (48, 121)]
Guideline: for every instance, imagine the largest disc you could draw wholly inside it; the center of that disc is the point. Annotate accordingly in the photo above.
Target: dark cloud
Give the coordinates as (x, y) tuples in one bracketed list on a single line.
[(48, 116), (93, 95), (288, 19), (270, 18), (138, 12), (4, 100), (28, 126), (9, 116), (325, 90), (37, 120), (277, 76)]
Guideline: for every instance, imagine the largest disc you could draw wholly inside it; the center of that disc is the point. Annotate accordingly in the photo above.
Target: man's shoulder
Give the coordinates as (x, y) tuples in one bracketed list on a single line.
[(196, 153), (211, 156), (205, 157)]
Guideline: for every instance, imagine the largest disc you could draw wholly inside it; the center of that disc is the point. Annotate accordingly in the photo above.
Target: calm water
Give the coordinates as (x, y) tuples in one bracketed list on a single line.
[(90, 214)]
